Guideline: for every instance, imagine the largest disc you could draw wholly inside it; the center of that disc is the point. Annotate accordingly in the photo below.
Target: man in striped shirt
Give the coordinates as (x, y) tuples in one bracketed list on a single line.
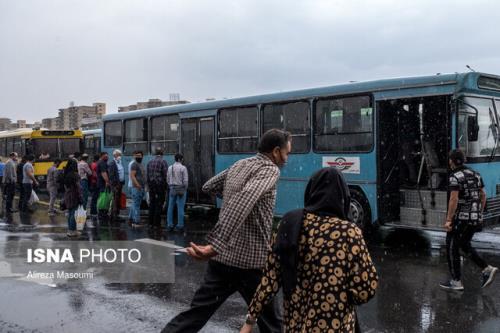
[(238, 245)]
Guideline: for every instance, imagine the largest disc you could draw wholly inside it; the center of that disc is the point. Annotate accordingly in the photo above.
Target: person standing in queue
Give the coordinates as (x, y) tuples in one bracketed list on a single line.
[(157, 185), (29, 181), (177, 179), (320, 260), (72, 194), (9, 182), (464, 218), (238, 245), (84, 172), (52, 186), (117, 180), (93, 186), (138, 179), (19, 172), (103, 180)]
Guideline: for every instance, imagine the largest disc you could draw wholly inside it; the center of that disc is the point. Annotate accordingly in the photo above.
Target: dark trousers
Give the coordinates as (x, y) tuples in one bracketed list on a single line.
[(117, 194), (9, 190), (21, 195), (93, 201), (156, 201), (221, 281), (25, 196), (460, 239)]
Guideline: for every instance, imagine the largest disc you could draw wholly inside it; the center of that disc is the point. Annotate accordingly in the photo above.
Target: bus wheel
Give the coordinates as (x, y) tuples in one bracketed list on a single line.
[(360, 210)]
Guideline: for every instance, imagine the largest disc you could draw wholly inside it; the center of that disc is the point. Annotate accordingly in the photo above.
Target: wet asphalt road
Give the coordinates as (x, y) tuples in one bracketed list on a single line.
[(410, 265)]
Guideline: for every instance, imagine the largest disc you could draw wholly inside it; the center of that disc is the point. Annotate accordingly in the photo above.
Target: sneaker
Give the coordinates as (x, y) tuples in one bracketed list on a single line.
[(488, 275), (452, 285), (181, 229), (72, 233), (170, 229)]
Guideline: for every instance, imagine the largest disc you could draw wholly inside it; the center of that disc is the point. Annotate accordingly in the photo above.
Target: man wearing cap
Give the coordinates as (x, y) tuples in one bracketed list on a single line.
[(117, 180), (84, 172), (464, 218)]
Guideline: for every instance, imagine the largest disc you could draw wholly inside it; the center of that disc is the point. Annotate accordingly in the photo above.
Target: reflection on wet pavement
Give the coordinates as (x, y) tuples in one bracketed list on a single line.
[(410, 265)]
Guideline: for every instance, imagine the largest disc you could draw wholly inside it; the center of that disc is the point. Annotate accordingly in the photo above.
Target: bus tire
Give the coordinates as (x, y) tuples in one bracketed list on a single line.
[(360, 210)]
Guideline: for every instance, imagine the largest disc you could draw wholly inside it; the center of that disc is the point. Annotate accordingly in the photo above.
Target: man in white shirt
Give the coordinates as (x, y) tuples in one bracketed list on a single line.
[(177, 179)]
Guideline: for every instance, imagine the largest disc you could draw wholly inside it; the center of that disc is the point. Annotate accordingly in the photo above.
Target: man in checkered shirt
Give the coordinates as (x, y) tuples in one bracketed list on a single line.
[(239, 243)]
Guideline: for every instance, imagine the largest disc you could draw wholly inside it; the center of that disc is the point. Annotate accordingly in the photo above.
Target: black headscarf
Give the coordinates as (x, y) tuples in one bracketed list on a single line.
[(326, 194), (71, 173)]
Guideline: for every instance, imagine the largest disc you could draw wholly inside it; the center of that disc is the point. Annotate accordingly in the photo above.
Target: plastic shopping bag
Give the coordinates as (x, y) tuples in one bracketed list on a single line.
[(33, 198), (104, 200), (80, 217)]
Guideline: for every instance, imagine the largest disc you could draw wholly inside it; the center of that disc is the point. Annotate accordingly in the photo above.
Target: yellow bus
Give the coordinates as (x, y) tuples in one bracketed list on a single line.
[(44, 145)]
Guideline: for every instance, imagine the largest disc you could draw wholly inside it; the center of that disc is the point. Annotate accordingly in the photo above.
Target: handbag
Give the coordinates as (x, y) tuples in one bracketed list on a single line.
[(104, 200), (178, 190), (123, 201)]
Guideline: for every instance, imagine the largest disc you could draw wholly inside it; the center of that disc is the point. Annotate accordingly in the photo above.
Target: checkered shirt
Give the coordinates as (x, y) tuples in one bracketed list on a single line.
[(242, 235), (157, 173)]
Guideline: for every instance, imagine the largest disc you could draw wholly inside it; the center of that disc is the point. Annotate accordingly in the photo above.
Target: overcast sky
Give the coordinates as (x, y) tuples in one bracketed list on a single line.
[(120, 51)]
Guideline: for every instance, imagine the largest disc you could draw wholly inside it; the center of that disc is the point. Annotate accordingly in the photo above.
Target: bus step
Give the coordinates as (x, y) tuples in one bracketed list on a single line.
[(413, 216), (411, 199)]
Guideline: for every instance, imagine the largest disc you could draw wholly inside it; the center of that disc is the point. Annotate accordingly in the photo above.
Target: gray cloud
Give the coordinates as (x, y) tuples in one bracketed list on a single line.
[(120, 51)]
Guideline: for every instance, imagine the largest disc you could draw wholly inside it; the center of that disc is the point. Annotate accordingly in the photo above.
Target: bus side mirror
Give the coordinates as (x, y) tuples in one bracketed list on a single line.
[(472, 128)]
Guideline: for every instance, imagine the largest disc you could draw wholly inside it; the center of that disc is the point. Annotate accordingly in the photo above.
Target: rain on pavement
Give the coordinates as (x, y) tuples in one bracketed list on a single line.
[(410, 266)]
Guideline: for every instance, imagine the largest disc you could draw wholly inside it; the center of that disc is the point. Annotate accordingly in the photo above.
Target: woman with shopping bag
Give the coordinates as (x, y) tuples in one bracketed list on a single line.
[(72, 194)]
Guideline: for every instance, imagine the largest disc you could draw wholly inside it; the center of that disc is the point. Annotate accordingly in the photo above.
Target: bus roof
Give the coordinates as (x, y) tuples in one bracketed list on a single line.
[(25, 132), (38, 133), (92, 131), (462, 81)]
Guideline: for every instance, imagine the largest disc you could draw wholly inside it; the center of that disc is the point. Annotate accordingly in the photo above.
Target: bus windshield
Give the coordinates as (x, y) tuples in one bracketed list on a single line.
[(69, 146), (45, 148), (54, 148)]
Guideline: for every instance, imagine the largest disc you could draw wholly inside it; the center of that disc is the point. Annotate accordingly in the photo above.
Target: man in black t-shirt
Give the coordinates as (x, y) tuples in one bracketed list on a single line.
[(102, 172), (464, 218)]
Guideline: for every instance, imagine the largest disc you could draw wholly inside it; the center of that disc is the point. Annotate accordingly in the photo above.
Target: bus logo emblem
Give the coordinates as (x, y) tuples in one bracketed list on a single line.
[(341, 164), (344, 164)]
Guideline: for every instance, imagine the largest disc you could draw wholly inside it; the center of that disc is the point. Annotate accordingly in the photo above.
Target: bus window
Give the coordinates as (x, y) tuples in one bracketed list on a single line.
[(486, 119), (69, 146), (136, 135), (343, 124), (3, 148), (165, 133), (18, 146), (113, 133), (45, 146), (292, 117), (238, 130)]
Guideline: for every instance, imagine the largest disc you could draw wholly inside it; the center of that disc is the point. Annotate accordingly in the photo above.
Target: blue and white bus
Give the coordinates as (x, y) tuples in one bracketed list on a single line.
[(389, 137)]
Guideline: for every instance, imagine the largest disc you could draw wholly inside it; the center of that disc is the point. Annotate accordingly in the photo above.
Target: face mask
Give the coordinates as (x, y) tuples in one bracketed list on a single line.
[(138, 159), (119, 158)]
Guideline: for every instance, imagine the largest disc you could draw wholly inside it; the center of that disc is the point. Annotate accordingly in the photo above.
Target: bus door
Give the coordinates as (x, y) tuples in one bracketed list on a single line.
[(413, 143), (197, 146)]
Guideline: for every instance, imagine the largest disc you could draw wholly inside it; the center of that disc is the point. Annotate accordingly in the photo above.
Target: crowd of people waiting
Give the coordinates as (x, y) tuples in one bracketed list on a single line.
[(80, 179)]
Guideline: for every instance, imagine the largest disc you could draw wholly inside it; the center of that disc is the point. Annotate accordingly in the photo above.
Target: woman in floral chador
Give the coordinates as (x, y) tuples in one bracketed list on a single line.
[(320, 260)]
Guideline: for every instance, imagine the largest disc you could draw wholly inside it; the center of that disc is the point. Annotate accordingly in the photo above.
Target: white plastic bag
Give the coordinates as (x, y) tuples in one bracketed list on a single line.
[(33, 198), (80, 217), (146, 197)]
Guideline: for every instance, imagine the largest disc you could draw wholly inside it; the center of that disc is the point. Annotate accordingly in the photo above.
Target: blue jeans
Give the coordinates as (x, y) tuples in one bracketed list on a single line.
[(84, 183), (180, 201), (135, 210), (71, 219)]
